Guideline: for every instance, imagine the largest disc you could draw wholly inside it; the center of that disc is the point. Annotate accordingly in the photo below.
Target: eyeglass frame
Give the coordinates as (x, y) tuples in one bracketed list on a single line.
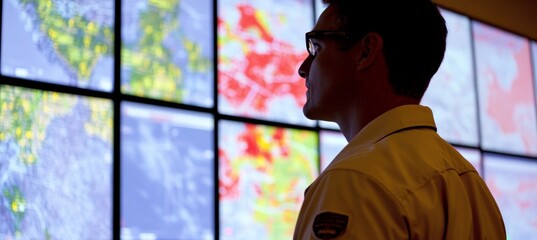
[(324, 33)]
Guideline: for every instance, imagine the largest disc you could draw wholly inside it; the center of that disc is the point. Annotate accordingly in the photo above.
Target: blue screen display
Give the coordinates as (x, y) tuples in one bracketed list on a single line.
[(167, 173)]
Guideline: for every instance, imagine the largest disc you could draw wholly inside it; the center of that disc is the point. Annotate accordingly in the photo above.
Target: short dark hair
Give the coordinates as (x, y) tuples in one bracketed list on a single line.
[(414, 34)]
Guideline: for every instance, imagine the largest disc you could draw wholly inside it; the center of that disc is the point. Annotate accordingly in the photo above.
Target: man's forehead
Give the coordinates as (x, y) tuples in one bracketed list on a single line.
[(328, 19)]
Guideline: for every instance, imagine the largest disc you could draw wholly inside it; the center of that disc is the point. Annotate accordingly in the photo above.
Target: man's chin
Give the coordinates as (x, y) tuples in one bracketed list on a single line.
[(307, 112), (311, 113)]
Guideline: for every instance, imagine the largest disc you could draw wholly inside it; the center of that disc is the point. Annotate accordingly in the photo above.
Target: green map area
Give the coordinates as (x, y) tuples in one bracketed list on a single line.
[(165, 53), (264, 172), (47, 140), (79, 40)]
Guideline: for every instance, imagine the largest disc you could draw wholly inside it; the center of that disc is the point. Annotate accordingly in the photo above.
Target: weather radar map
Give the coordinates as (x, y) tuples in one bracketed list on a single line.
[(55, 165), (506, 92), (167, 173), (61, 42), (261, 46), (263, 174), (451, 92), (167, 50), (513, 183)]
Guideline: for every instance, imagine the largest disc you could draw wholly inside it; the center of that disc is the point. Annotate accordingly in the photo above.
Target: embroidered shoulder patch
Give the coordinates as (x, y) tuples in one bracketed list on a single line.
[(329, 225)]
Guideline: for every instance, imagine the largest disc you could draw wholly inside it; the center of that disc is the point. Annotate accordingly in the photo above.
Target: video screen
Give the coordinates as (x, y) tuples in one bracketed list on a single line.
[(260, 48), (473, 156), (167, 50), (331, 144), (167, 173), (329, 125), (534, 57), (451, 92), (55, 165), (513, 183), (263, 174), (319, 8), (62, 42), (505, 88)]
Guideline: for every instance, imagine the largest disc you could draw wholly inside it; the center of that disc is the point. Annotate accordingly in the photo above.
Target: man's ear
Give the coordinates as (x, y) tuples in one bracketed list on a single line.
[(370, 50)]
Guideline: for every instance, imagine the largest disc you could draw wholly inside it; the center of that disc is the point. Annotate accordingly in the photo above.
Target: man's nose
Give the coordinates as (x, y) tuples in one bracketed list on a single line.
[(304, 68)]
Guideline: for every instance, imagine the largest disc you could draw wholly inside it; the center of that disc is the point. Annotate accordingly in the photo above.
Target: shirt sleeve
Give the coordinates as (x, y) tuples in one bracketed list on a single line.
[(350, 205)]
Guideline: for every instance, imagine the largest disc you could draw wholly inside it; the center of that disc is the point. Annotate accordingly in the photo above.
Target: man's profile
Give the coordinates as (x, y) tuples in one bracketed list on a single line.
[(369, 64)]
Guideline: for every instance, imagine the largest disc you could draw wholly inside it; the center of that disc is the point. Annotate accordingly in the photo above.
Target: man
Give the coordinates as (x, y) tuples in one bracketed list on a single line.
[(370, 63)]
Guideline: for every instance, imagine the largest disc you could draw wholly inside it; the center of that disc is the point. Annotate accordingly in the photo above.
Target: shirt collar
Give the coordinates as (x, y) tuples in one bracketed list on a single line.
[(394, 120)]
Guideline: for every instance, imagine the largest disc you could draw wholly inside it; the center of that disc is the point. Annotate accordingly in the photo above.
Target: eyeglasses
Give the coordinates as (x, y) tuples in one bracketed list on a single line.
[(312, 47)]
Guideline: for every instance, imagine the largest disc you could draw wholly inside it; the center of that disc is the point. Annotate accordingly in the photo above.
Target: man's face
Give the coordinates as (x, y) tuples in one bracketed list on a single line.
[(328, 74)]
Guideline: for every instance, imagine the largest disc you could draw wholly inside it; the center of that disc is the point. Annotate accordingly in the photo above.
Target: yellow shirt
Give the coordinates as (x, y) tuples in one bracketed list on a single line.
[(398, 179)]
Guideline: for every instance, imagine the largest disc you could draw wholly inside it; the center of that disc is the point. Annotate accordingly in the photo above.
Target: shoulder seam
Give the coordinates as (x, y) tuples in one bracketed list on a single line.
[(376, 181), (436, 174)]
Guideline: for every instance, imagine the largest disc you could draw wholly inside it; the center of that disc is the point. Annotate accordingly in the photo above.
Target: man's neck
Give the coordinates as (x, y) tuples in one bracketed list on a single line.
[(354, 120)]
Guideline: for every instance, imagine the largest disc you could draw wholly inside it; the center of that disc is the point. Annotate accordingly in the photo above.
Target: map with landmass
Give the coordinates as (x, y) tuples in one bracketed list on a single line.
[(62, 42), (167, 50), (55, 165), (263, 173), (451, 92), (167, 173), (261, 46), (513, 183), (506, 92)]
